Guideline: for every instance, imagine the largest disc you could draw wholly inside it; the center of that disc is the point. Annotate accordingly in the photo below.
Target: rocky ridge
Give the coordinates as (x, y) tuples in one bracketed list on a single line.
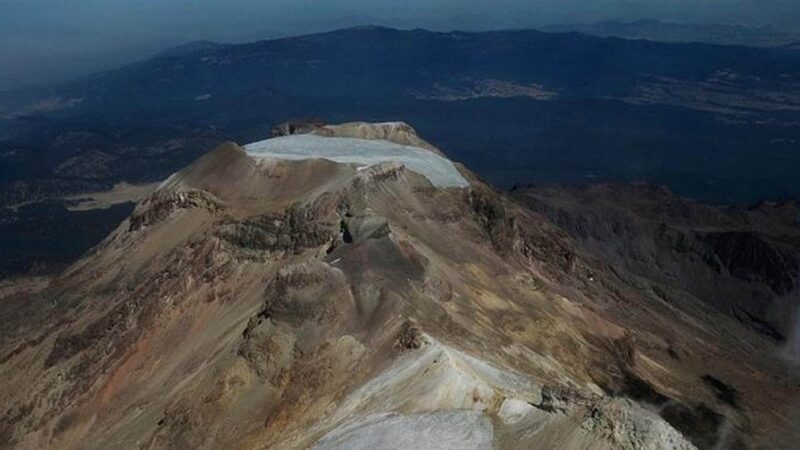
[(270, 303)]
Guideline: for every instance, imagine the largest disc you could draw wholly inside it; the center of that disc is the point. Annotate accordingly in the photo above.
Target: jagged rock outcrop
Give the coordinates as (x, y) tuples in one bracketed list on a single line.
[(299, 126), (159, 205)]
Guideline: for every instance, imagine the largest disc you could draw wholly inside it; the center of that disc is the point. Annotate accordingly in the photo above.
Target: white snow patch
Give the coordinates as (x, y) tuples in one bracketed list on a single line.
[(438, 377), (362, 152), (455, 430), (170, 181), (436, 397), (513, 410)]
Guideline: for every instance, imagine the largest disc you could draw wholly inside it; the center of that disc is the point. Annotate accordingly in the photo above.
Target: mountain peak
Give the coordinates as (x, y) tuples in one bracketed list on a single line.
[(332, 288)]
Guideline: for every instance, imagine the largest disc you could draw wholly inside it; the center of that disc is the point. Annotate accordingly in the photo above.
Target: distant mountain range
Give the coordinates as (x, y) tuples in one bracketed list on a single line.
[(568, 107), (189, 47), (657, 30), (718, 123)]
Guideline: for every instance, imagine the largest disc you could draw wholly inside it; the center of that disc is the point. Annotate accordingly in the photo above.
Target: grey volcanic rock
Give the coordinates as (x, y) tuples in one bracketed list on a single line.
[(300, 126)]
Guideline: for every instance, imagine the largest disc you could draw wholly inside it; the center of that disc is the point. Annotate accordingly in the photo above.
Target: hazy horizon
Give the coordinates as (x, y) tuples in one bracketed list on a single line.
[(47, 41)]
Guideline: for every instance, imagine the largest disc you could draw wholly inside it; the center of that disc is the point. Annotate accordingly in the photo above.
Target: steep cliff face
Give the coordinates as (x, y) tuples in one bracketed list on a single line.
[(262, 302)]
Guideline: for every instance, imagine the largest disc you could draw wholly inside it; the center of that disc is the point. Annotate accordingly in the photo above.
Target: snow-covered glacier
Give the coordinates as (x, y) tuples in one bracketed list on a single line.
[(362, 152)]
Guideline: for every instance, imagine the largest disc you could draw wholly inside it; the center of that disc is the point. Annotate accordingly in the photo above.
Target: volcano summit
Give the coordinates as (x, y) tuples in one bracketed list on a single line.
[(351, 288)]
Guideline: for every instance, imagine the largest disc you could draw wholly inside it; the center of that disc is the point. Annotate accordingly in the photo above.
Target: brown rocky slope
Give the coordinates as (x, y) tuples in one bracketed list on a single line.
[(267, 303)]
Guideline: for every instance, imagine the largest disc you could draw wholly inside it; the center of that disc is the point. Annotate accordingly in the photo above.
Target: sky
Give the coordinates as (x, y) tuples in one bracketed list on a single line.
[(47, 41)]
